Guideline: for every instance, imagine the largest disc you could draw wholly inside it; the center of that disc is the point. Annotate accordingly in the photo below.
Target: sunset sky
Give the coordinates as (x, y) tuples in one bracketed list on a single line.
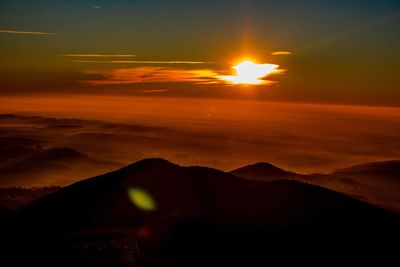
[(179, 132), (310, 86), (327, 51)]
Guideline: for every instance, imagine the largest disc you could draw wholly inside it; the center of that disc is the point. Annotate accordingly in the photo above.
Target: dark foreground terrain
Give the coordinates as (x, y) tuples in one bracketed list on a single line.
[(156, 213)]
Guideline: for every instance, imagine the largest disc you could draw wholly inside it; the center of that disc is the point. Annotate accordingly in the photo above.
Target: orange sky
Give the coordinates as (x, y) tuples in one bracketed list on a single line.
[(343, 52)]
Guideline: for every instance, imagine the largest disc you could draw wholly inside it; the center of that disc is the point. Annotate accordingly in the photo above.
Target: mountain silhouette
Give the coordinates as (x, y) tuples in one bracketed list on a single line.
[(376, 183), (186, 190), (387, 171), (262, 171), (196, 192), (206, 214), (16, 197)]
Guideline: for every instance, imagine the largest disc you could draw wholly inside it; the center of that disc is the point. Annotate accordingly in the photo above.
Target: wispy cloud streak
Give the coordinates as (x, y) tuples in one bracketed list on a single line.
[(99, 55), (25, 32), (138, 62)]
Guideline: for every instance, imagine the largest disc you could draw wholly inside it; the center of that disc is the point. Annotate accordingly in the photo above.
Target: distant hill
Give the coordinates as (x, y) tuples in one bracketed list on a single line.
[(10, 142), (55, 166), (374, 172), (16, 197), (377, 183), (262, 171), (8, 155)]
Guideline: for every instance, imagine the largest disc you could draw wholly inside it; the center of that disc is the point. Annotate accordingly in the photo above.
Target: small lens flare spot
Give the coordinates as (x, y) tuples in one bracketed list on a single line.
[(141, 199)]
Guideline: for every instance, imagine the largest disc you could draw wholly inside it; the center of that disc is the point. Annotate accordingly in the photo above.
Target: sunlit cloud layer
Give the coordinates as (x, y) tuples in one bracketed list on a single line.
[(195, 131), (253, 74), (153, 91), (25, 32), (281, 53), (150, 75)]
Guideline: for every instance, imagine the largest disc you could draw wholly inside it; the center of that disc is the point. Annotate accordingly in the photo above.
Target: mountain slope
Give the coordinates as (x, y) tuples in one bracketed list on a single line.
[(191, 216), (196, 192), (104, 200)]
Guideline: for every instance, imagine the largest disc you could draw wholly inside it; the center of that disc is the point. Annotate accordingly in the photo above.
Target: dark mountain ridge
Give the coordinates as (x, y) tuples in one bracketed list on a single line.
[(262, 171), (377, 183), (196, 192), (388, 170), (191, 216)]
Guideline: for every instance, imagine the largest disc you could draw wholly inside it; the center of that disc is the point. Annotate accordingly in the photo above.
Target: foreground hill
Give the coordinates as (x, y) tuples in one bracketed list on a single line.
[(8, 220), (195, 215), (106, 200), (7, 217)]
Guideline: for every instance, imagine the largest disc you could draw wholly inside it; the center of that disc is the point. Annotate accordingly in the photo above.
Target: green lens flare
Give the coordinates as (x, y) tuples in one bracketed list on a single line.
[(141, 199)]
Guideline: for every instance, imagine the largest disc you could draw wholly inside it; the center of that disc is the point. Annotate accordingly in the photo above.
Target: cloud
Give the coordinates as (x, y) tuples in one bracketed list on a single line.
[(98, 55), (158, 74), (138, 62), (25, 32), (150, 75), (281, 53), (150, 91)]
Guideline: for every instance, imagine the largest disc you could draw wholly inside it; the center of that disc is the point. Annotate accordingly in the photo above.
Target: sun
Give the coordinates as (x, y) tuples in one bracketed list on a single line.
[(248, 72)]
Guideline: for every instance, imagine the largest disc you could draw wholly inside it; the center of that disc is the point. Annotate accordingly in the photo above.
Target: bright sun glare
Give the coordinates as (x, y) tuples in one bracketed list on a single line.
[(248, 72)]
